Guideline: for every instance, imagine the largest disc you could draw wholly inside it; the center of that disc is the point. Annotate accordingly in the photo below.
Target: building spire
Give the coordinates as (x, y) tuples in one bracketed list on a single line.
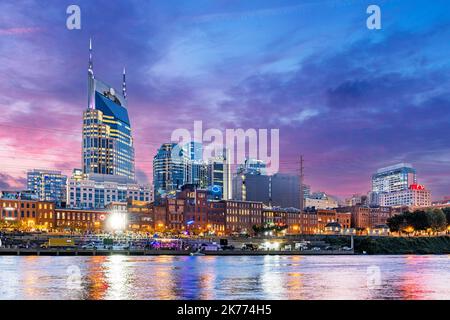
[(124, 84), (91, 84), (91, 66)]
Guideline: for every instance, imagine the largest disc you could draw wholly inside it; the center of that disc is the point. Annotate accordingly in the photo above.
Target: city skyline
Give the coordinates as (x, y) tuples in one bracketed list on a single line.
[(346, 120)]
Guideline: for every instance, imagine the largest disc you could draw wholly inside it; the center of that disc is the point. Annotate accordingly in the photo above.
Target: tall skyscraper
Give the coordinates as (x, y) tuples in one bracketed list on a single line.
[(170, 169), (47, 185), (107, 141)]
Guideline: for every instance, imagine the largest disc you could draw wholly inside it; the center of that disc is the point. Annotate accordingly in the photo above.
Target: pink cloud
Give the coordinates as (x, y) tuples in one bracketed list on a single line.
[(15, 31)]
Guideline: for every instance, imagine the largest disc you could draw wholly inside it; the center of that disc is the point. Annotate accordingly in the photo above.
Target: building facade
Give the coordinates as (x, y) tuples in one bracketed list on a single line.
[(97, 194), (241, 216), (364, 217), (416, 195), (32, 214)]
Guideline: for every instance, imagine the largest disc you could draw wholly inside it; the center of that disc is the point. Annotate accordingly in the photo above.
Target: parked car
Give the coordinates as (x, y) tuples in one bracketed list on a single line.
[(210, 247), (89, 246)]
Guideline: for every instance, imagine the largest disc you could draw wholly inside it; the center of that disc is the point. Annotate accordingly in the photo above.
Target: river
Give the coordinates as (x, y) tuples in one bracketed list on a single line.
[(225, 277)]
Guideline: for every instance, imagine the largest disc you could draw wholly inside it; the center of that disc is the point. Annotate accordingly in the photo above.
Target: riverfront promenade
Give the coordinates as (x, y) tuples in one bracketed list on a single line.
[(142, 252)]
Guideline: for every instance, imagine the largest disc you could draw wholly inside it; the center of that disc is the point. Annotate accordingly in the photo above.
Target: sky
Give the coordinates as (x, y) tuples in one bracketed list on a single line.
[(349, 99)]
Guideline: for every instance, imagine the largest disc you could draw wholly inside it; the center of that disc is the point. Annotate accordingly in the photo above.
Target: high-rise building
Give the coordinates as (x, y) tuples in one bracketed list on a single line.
[(170, 169), (394, 178), (47, 185), (107, 141), (285, 190), (219, 174), (198, 168), (199, 174)]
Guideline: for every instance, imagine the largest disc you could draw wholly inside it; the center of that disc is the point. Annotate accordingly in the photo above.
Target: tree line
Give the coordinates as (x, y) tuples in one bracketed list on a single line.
[(431, 221)]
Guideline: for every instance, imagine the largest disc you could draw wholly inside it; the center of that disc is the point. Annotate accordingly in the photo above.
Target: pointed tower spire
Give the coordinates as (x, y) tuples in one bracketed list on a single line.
[(124, 84), (91, 66), (91, 84)]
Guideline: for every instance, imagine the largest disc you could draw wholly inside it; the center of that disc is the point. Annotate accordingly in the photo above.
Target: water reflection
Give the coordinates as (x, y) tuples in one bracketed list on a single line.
[(263, 277)]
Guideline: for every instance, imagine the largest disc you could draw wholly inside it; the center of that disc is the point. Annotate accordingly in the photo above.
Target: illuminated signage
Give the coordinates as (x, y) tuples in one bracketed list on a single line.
[(417, 187)]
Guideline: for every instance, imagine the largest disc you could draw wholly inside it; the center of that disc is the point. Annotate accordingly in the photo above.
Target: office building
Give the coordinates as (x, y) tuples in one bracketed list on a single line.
[(394, 178), (198, 174), (219, 174), (278, 190), (170, 169), (416, 196), (47, 185), (285, 190), (97, 194)]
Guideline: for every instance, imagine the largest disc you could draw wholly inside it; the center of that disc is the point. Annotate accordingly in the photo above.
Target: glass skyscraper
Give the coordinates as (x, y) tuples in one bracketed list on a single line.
[(107, 141), (47, 185), (170, 169), (219, 174)]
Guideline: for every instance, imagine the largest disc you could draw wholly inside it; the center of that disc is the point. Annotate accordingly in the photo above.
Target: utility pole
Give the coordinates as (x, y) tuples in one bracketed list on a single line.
[(301, 178)]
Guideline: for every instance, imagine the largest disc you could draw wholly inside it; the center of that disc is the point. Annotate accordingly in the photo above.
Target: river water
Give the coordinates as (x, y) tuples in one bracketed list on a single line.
[(222, 277)]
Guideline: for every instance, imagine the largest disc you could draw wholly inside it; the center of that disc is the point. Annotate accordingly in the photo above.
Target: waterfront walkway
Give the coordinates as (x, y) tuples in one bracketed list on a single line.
[(142, 252)]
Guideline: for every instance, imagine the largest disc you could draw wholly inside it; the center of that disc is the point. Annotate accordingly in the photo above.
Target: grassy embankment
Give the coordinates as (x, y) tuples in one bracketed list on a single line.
[(399, 245)]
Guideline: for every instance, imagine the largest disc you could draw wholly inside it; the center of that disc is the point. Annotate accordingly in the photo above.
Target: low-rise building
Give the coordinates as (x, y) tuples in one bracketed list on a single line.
[(241, 216), (29, 213), (344, 219), (364, 217), (95, 194), (320, 200), (80, 220)]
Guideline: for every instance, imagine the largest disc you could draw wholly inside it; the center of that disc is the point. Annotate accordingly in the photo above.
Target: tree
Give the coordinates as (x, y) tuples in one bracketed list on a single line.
[(446, 211), (396, 223), (419, 220), (437, 220)]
